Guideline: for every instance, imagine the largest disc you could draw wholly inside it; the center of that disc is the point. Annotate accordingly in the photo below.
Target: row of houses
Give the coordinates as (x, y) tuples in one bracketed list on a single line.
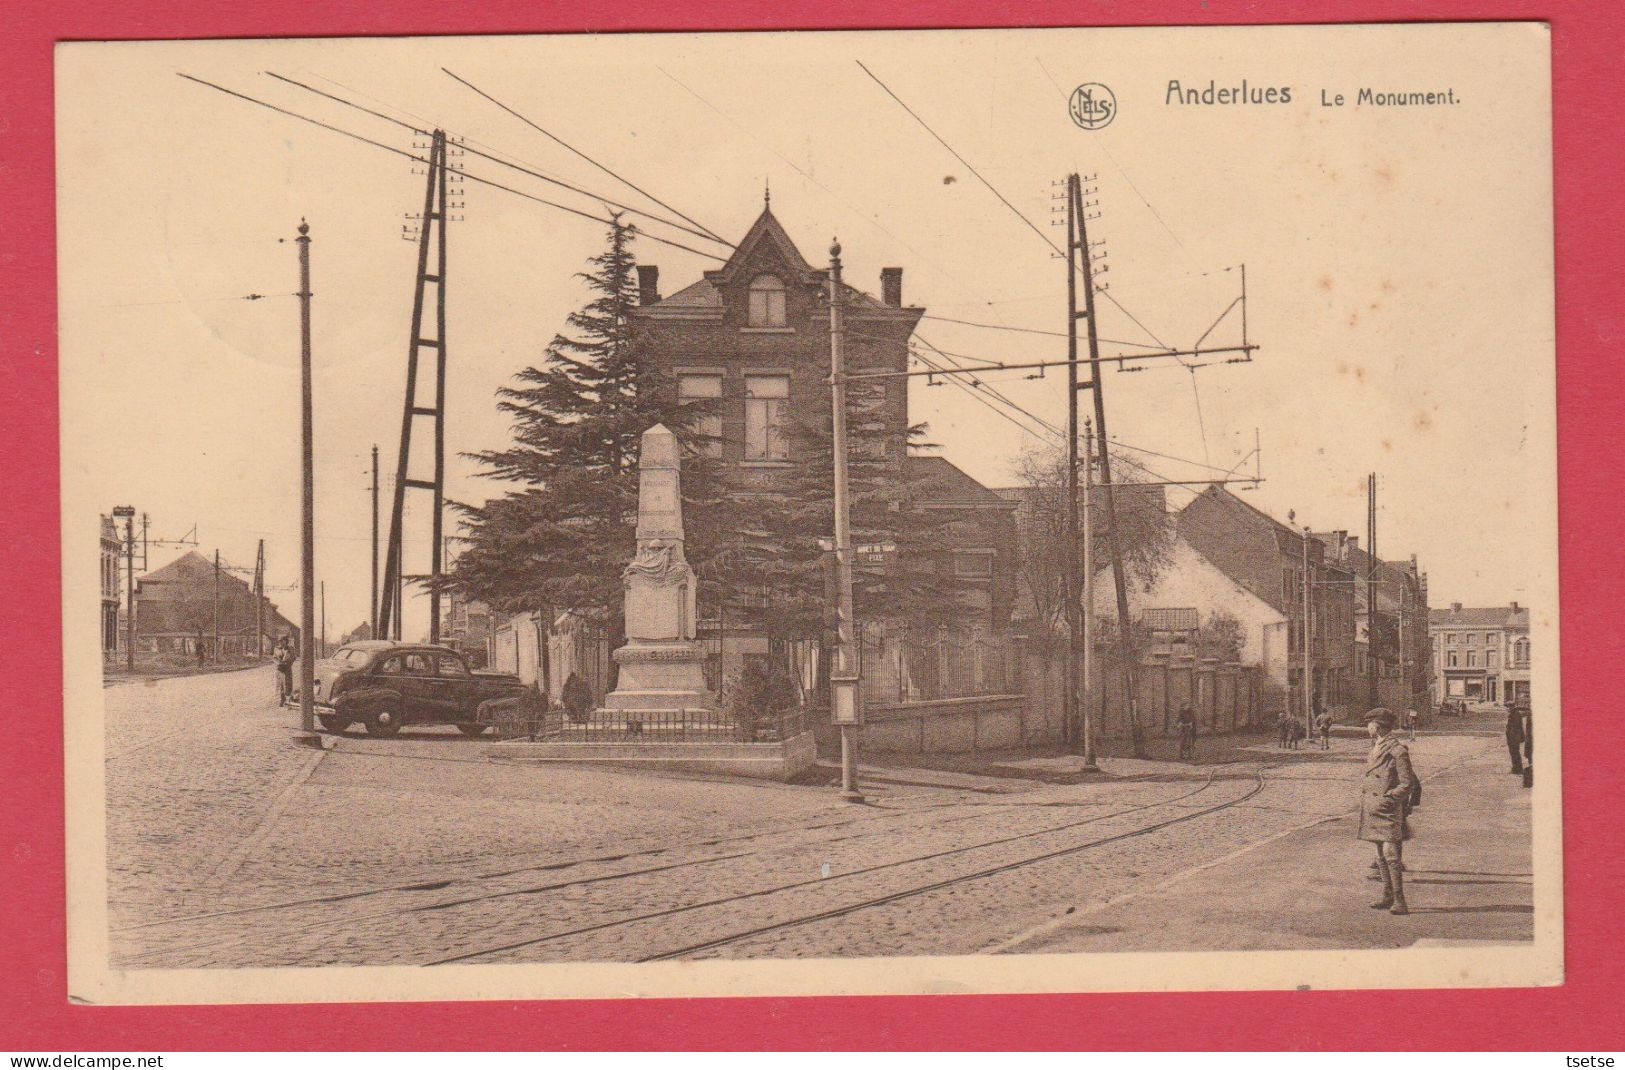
[(1289, 605)]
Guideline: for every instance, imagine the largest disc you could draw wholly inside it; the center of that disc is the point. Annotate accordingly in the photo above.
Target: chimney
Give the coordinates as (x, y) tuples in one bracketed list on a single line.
[(648, 284), (891, 286), (1514, 607), (1455, 607)]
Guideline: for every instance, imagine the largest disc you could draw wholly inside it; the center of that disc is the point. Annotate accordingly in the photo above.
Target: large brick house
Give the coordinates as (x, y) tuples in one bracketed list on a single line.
[(753, 337)]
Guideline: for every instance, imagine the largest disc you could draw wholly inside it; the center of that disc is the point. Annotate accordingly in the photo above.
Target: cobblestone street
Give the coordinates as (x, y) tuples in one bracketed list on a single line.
[(230, 846)]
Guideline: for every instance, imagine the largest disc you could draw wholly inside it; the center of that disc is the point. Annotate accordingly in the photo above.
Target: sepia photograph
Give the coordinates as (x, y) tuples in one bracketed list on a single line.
[(809, 513)]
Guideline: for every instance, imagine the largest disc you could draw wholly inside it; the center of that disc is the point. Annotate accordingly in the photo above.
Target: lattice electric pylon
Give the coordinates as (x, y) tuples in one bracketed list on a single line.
[(431, 239)]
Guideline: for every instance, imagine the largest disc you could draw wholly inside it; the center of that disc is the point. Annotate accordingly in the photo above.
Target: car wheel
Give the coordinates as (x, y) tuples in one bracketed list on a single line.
[(335, 725), (385, 722), (472, 730)]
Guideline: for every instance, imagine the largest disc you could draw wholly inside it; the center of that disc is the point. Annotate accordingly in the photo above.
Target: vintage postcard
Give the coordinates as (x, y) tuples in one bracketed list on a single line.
[(809, 513)]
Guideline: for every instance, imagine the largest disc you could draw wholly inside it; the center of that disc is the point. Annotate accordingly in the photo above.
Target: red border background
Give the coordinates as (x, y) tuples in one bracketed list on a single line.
[(1588, 47)]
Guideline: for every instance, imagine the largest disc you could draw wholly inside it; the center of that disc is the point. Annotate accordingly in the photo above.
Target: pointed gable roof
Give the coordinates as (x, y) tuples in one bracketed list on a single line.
[(703, 299), (767, 230)]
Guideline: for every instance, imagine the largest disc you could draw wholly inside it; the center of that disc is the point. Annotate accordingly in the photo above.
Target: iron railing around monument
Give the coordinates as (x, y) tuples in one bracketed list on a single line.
[(521, 719)]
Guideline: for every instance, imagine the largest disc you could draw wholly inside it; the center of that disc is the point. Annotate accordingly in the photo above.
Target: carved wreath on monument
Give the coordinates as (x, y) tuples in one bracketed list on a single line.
[(660, 561)]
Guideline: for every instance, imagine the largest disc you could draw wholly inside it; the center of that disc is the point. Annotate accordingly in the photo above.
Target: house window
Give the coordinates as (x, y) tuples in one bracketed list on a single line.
[(766, 403), (692, 389), (1472, 638), (1520, 652), (1491, 657), (1450, 660), (766, 301), (1472, 659), (977, 564), (1450, 638)]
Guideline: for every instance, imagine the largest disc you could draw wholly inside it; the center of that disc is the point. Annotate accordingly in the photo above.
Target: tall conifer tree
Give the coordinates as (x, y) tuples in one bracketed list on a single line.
[(562, 538)]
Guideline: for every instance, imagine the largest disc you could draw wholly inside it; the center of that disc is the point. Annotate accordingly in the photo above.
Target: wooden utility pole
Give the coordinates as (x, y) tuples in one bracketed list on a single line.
[(1373, 664), (1308, 663), (1088, 613), (214, 650), (1070, 701), (846, 698), (1114, 542), (307, 535), (259, 601), (324, 619), (373, 606)]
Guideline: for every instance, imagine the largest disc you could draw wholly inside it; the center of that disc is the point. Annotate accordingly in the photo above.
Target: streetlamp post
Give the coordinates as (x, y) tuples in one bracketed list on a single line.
[(307, 541), (846, 700)]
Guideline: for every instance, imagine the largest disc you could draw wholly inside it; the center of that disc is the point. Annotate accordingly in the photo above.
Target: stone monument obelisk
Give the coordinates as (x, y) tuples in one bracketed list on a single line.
[(661, 665)]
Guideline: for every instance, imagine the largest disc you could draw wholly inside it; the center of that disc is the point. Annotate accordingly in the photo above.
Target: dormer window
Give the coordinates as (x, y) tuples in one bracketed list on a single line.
[(766, 301)]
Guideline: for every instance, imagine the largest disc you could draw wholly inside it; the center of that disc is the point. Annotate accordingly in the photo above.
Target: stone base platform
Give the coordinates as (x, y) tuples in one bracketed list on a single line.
[(763, 761)]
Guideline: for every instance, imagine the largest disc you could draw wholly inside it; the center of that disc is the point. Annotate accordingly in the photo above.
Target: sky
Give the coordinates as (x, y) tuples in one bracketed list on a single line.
[(1398, 260)]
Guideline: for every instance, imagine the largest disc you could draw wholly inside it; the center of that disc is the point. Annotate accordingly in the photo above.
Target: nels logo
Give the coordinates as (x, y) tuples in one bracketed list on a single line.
[(1092, 106)]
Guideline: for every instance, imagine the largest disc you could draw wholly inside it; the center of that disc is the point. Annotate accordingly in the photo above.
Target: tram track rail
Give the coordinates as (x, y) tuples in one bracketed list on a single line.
[(876, 868), (339, 923), (947, 882)]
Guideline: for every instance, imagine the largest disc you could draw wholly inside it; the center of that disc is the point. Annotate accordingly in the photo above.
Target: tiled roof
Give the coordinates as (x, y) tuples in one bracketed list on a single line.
[(700, 295), (1479, 617), (945, 482)]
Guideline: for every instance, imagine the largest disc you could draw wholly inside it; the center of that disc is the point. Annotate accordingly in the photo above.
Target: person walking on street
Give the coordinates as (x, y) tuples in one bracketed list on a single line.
[(1187, 733), (1323, 726), (1385, 797), (1410, 723), (1515, 737)]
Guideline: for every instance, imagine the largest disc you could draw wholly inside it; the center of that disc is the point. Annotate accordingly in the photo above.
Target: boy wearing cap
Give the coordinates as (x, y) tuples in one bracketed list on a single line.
[(1384, 796)]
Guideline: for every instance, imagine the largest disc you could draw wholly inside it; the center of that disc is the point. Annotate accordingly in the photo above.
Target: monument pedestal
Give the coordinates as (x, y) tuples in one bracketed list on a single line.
[(660, 677)]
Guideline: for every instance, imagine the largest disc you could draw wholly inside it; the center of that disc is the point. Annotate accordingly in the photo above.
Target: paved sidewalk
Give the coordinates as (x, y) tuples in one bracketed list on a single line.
[(1468, 881)]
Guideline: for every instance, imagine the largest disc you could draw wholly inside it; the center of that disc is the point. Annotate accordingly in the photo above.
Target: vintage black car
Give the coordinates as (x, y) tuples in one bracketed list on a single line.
[(385, 685)]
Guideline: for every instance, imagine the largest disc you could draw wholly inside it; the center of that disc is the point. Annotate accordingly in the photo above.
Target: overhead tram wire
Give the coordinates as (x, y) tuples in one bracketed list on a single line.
[(968, 166), (865, 218), (957, 374), (618, 177), (701, 233), (464, 173), (1035, 330), (1051, 431), (1167, 349), (982, 399), (988, 395)]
